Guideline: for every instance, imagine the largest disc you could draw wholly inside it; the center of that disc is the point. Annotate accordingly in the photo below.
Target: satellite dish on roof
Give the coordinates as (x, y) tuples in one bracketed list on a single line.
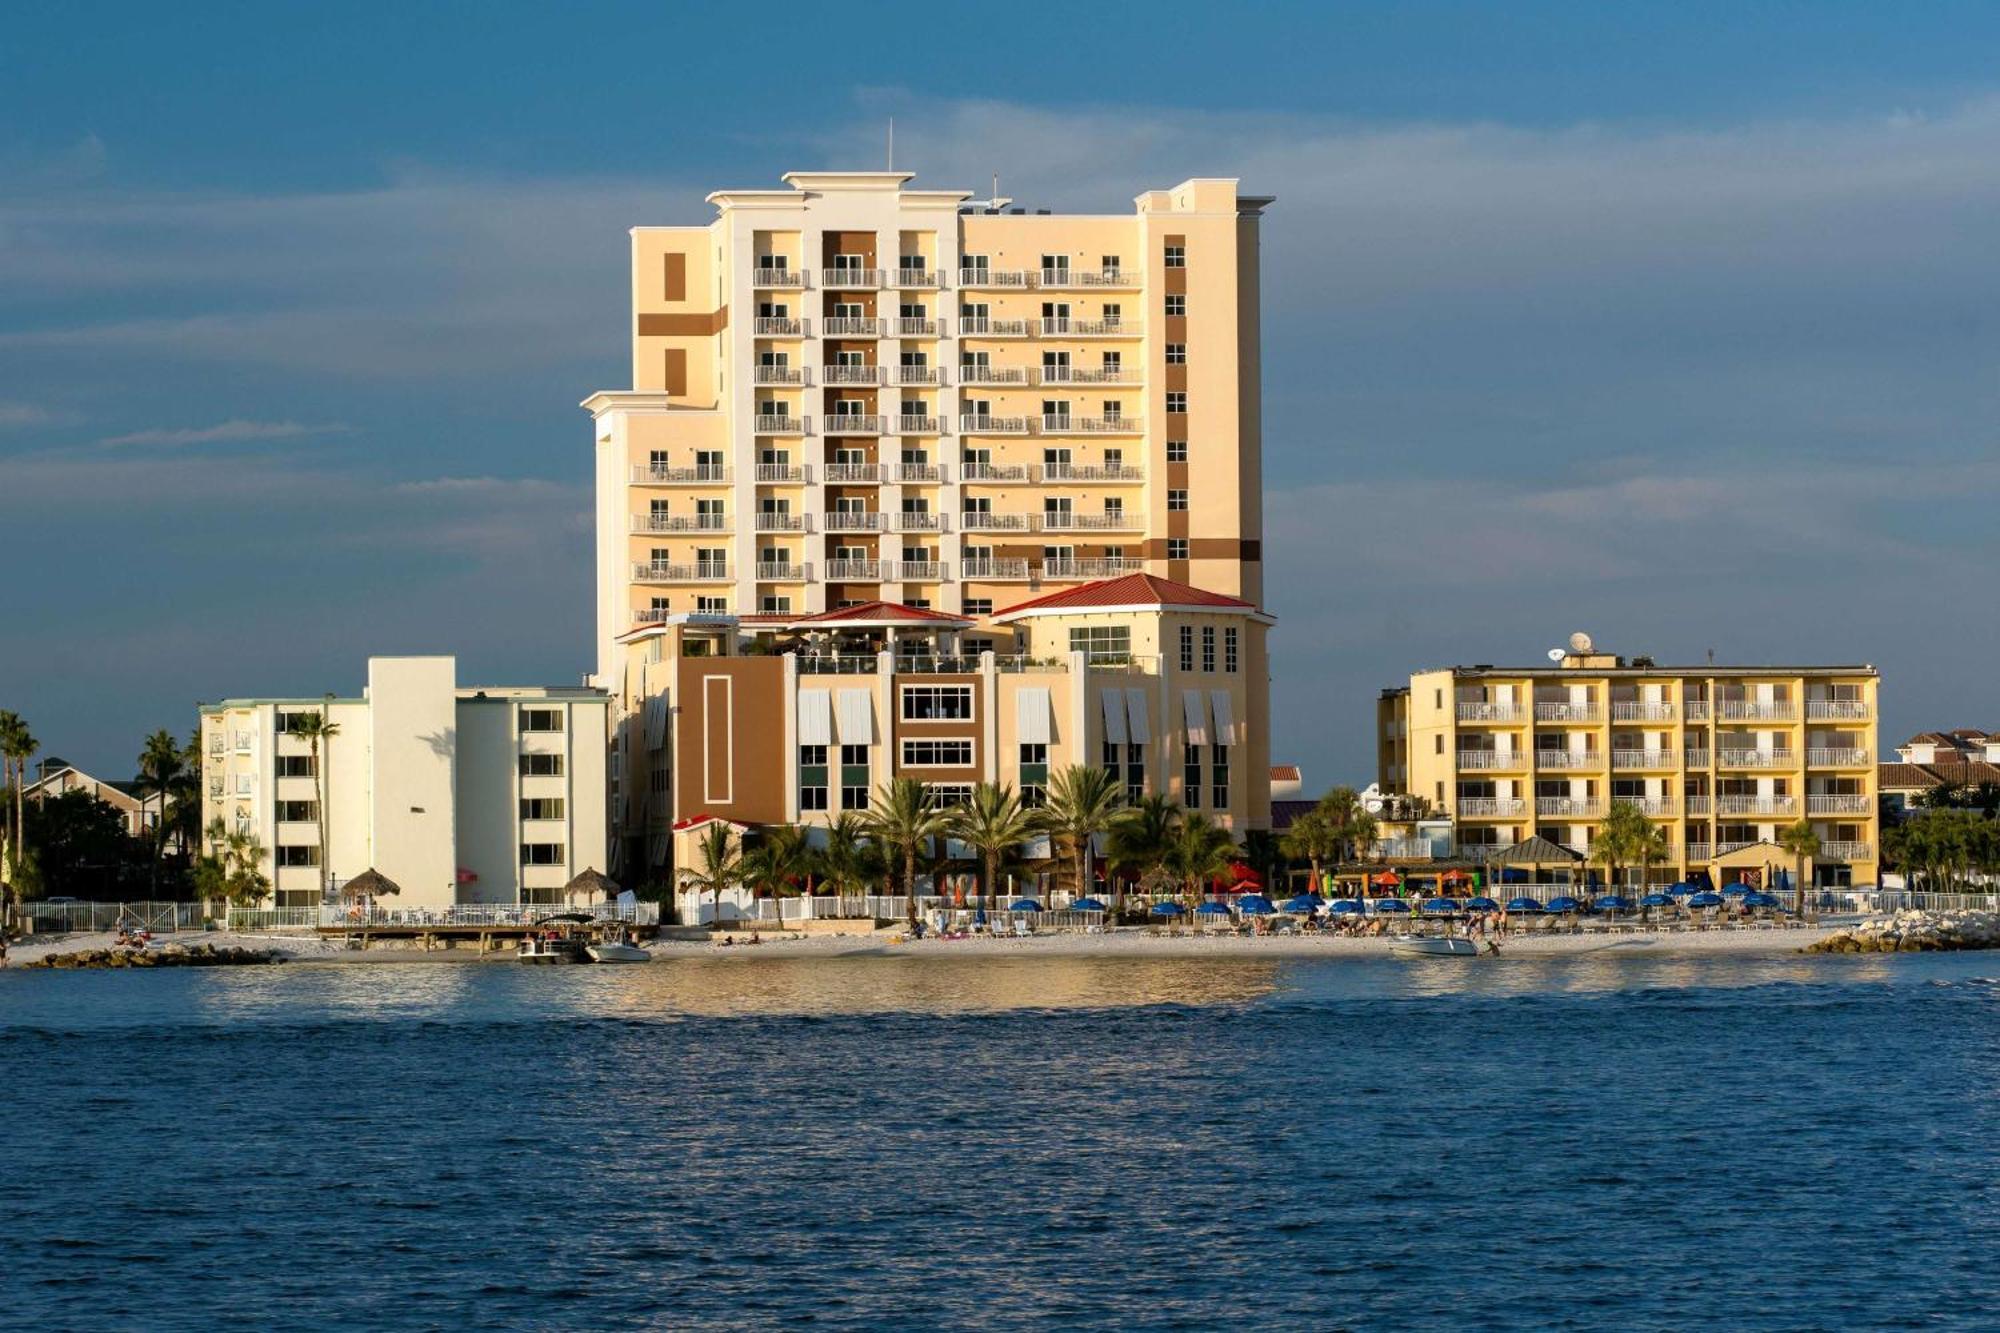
[(1579, 642), (1373, 805), (1556, 654)]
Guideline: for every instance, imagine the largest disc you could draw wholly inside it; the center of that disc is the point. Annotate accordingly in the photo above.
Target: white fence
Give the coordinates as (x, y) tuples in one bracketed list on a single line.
[(479, 914), (62, 918)]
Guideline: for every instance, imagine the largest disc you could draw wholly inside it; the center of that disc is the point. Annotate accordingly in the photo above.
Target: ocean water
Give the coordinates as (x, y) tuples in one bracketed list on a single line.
[(1607, 1142)]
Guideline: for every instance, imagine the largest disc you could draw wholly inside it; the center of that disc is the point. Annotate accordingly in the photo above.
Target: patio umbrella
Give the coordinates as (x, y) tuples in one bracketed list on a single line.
[(1612, 902), (1564, 904), (1706, 898), (1454, 877), (1256, 904), (1212, 909), (1305, 902), (1524, 905), (1086, 905), (1698, 879), (1678, 890), (1346, 907), (1737, 890), (1439, 907), (1024, 905), (1392, 905), (1166, 909), (1656, 900), (1759, 900), (1388, 879), (1482, 905)]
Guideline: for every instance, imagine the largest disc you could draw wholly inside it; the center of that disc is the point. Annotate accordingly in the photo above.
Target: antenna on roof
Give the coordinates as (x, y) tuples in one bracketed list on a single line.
[(892, 143), (1711, 657)]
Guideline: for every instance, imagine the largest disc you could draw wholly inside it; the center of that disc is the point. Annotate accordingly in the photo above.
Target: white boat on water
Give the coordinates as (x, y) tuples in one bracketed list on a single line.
[(618, 951), (1429, 946)]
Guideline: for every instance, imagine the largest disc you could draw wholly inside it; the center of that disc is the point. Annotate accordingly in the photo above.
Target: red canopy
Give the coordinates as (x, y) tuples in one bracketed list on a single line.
[(1453, 877), (1388, 879), (1243, 874)]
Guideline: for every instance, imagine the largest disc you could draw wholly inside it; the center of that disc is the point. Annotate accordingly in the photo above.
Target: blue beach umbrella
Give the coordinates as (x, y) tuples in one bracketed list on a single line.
[(1086, 905), (1524, 905), (1706, 898), (1698, 879), (1392, 905), (1347, 907), (1212, 909), (1564, 904), (1678, 890), (1656, 900), (1612, 902), (1255, 904), (1439, 907), (1166, 909), (1305, 902), (1024, 905), (1737, 890), (1759, 900), (1481, 905)]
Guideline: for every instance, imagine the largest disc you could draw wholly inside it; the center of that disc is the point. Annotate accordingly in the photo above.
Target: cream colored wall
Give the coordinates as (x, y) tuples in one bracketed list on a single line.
[(413, 729)]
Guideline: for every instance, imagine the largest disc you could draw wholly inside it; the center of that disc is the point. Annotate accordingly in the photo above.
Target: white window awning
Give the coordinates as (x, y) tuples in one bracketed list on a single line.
[(1113, 701), (1225, 721), (1139, 724), (857, 717), (815, 717), (1031, 715), (1195, 716)]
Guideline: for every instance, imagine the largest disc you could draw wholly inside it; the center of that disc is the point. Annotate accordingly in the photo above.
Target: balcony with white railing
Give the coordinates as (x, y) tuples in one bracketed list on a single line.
[(916, 375), (1128, 375), (852, 569), (644, 523), (909, 520), (999, 570), (1840, 756), (1569, 807), (1757, 805), (666, 474), (850, 474), (1642, 759), (781, 326), (1070, 425), (799, 375), (1479, 711), (1836, 710), (969, 424), (912, 326), (1846, 851), (1699, 803), (779, 473), (1118, 473), (1485, 759), (852, 520), (918, 426), (1563, 759), (853, 326), (696, 571), (1698, 851), (1855, 803), (1056, 520), (1491, 807), (983, 279), (979, 326), (975, 375), (769, 520), (778, 277), (914, 571), (916, 473), (853, 423), (1629, 710), (1061, 327), (1695, 758), (781, 424), (1093, 567), (995, 474), (1650, 806), (851, 375), (987, 521), (850, 279), (1757, 759), (783, 571), (914, 276), (1697, 710), (1566, 712), (1752, 710)]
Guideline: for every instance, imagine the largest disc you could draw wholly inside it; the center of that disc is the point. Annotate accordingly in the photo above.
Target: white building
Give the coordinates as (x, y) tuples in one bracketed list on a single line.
[(458, 795)]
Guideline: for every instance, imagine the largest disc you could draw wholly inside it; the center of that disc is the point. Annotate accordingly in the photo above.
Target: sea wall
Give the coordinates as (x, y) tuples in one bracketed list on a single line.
[(1916, 931), (171, 955)]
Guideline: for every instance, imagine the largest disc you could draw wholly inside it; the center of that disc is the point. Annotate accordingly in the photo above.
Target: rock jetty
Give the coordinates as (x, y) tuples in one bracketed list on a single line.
[(171, 955), (1916, 932)]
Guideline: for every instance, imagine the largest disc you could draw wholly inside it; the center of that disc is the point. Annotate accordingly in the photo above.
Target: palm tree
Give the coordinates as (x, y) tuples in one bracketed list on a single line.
[(849, 862), (1312, 839), (230, 870), (317, 728), (1198, 852), (1622, 838), (162, 766), (1353, 827), (1084, 801), (1800, 840), (779, 857), (903, 819), (993, 823), (1139, 844), (721, 856), (17, 747)]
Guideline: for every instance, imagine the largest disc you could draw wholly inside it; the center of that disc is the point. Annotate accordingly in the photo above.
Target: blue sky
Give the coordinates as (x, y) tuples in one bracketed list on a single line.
[(1670, 322)]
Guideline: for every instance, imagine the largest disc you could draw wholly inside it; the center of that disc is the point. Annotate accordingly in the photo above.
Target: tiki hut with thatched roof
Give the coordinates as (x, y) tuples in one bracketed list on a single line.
[(1532, 853), (370, 883), (591, 884)]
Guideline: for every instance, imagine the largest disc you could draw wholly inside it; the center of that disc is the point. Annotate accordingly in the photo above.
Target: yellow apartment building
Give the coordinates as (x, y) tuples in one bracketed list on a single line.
[(1724, 759)]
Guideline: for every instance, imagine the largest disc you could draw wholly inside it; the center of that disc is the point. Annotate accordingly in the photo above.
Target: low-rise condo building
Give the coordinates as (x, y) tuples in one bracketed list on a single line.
[(1723, 759), (455, 794)]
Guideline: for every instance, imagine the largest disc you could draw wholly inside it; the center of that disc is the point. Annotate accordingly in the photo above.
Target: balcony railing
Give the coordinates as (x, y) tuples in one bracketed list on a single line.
[(996, 278), (1491, 712), (1122, 473), (1060, 327), (983, 374), (993, 569), (1836, 710), (1697, 710), (852, 520), (918, 426), (1091, 375), (780, 472), (911, 276), (781, 326), (1642, 759), (1062, 521), (853, 326), (852, 473), (1695, 758), (680, 523), (1837, 757), (914, 571), (1481, 759), (1699, 851), (868, 571), (783, 571), (979, 326), (699, 571), (1633, 711), (994, 473), (1699, 804), (1846, 851), (913, 326), (909, 473), (1491, 807), (781, 424), (1751, 710), (852, 375), (773, 520), (986, 521), (781, 375), (853, 423), (1649, 805), (1757, 759), (1572, 807), (850, 279), (1561, 712), (777, 277), (1756, 805), (665, 474), (912, 520), (1569, 759), (1093, 567), (970, 424), (916, 375), (1069, 425), (1845, 804)]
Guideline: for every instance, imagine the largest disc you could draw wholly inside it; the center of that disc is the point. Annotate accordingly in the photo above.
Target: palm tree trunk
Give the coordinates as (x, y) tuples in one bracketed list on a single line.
[(319, 811), (910, 883)]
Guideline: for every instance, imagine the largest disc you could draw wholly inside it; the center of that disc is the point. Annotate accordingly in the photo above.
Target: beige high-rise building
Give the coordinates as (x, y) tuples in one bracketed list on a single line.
[(851, 389)]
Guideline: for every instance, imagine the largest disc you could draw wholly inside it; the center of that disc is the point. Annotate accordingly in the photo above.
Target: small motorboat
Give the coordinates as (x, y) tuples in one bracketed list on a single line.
[(1430, 946), (618, 951), (551, 947)]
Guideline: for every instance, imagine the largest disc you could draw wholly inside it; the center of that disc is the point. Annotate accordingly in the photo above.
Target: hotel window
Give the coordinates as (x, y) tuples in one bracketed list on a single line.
[(708, 464), (1177, 451), (1177, 401), (937, 703), (1187, 647), (658, 458), (541, 807), (1034, 775), (854, 777), (295, 766), (541, 719), (944, 795), (296, 856), (541, 853), (1135, 773), (1110, 264), (1177, 304), (772, 605), (1177, 502), (1438, 744), (541, 765), (1110, 644), (1229, 650), (1176, 354), (1208, 647), (718, 605), (1110, 764), (292, 723), (979, 606), (812, 777), (937, 754), (298, 812), (1218, 776), (656, 779), (1191, 776), (1177, 548), (1177, 256)]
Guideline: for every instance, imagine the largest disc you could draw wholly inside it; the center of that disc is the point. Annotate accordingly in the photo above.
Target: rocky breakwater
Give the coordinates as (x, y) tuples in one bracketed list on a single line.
[(1916, 932), (171, 955)]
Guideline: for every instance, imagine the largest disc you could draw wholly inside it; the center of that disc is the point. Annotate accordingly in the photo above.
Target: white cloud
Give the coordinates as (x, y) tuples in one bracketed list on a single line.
[(13, 415), (234, 431)]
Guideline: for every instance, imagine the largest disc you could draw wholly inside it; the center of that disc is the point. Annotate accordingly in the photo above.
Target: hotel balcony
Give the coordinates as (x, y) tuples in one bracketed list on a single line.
[(851, 279), (1698, 710), (1698, 851), (973, 375), (1838, 757), (998, 570), (1570, 807), (799, 375), (909, 520), (781, 473), (981, 279), (1485, 759), (1068, 425), (1090, 375), (1491, 712), (1562, 759), (995, 474), (777, 521), (982, 425), (1756, 805), (919, 426), (1059, 521), (913, 326), (1750, 710), (1649, 805), (914, 571), (978, 326), (853, 423), (1699, 804), (1758, 759), (1642, 759), (666, 474), (916, 473), (784, 572), (777, 277), (1122, 473), (853, 520), (977, 521), (850, 570), (1695, 758), (916, 375), (780, 424), (1853, 804), (851, 375), (1090, 277), (681, 523), (1846, 851), (1630, 711), (781, 326), (1091, 328), (1491, 807), (1555, 712), (866, 474), (1093, 567), (916, 276), (698, 571), (853, 326), (1836, 710)]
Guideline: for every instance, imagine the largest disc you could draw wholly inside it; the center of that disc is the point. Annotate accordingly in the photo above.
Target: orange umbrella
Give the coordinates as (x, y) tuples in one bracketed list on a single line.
[(1453, 877), (1388, 879)]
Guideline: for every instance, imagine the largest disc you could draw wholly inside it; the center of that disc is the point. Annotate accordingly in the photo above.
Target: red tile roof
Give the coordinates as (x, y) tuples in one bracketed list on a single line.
[(1129, 590), (1284, 773), (884, 613)]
